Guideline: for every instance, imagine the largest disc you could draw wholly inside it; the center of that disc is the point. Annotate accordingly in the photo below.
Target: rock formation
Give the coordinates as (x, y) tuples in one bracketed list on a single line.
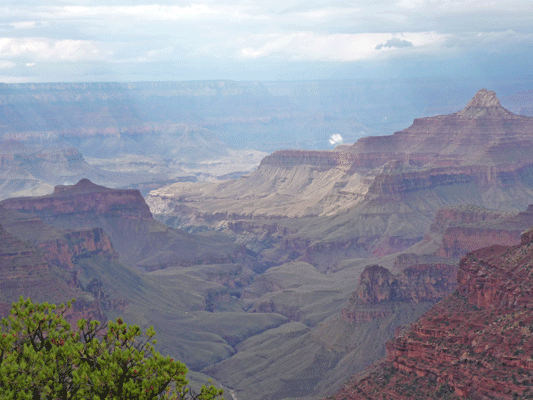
[(477, 343), (378, 289), (459, 229), (25, 271), (125, 217), (375, 197)]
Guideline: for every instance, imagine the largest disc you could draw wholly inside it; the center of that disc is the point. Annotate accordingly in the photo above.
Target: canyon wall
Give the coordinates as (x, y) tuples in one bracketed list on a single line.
[(476, 343)]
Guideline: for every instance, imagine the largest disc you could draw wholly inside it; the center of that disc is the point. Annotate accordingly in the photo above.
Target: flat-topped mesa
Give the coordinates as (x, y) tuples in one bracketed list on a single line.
[(319, 160), (84, 198)]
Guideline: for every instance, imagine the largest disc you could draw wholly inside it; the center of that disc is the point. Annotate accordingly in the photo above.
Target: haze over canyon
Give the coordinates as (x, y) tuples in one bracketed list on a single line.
[(283, 265)]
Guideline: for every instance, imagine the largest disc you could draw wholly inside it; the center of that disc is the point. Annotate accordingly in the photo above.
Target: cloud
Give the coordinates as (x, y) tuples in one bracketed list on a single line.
[(322, 14), (142, 13), (220, 37), (335, 47), (335, 139), (156, 54), (7, 64), (394, 42), (50, 49), (15, 79), (26, 24), (410, 4)]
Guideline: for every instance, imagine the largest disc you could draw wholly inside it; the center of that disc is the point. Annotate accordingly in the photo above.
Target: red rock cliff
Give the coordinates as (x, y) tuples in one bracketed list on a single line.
[(379, 287), (480, 134), (476, 343), (64, 251), (460, 229), (84, 198)]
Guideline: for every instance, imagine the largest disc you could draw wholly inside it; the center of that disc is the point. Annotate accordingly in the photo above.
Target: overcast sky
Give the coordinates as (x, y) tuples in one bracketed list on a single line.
[(144, 40)]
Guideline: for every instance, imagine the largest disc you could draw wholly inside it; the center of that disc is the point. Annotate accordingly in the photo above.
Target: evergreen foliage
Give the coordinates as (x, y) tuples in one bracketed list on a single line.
[(43, 357)]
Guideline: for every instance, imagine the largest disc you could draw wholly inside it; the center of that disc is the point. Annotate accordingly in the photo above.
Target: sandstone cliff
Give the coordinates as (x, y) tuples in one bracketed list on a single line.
[(477, 343), (84, 200), (375, 197), (378, 289), (124, 216), (459, 229), (24, 271)]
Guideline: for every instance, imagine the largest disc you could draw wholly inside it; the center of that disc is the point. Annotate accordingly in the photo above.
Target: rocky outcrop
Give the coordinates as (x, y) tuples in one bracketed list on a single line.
[(318, 160), (128, 225), (388, 187), (477, 343), (498, 277), (84, 200), (375, 285), (459, 229), (24, 271), (457, 241), (20, 262), (81, 243), (41, 262), (380, 288)]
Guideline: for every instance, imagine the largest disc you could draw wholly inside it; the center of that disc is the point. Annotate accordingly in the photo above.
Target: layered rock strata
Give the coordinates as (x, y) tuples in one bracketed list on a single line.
[(476, 343), (128, 225), (375, 197), (459, 229), (84, 200), (378, 289)]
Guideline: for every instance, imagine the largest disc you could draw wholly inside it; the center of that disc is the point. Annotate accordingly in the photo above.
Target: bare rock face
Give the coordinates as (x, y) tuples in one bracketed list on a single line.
[(375, 197), (485, 104), (460, 229), (380, 288), (25, 271), (477, 343), (375, 285), (124, 224), (84, 199), (41, 262), (20, 261), (64, 251)]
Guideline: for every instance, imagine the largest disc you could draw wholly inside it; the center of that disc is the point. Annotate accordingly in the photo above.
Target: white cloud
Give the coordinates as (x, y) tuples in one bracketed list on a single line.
[(411, 4), (335, 139), (325, 13), (15, 79), (49, 49), (466, 5), (235, 32), (25, 24), (144, 13), (7, 64), (155, 54), (335, 47)]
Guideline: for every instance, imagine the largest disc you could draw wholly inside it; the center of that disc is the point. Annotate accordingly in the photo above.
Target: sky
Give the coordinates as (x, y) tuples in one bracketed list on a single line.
[(152, 40)]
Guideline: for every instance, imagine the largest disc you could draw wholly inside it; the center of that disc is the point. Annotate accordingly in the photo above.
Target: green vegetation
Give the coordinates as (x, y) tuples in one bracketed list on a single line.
[(41, 357)]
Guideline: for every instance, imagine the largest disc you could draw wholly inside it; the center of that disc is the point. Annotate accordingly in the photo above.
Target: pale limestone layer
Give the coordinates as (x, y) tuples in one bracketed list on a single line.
[(377, 196), (271, 192)]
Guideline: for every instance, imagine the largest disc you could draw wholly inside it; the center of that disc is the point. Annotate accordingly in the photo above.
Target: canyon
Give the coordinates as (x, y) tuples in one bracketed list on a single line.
[(391, 215), (284, 282), (476, 343), (122, 213), (373, 198), (145, 135)]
